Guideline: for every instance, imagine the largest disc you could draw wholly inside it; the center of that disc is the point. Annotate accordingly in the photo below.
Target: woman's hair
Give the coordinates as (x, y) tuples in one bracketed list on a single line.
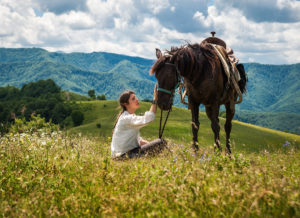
[(123, 99)]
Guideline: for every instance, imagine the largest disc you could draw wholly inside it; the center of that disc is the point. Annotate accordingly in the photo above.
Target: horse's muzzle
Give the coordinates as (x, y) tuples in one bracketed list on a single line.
[(164, 105)]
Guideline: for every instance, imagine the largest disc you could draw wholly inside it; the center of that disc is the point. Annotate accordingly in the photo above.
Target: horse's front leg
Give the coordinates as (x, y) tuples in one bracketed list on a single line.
[(195, 124)]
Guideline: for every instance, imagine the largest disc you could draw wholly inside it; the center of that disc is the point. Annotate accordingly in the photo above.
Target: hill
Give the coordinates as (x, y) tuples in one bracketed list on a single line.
[(106, 73), (271, 88), (288, 122)]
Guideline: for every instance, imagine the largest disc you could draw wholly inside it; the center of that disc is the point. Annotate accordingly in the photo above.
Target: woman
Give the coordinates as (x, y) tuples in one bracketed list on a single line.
[(126, 140)]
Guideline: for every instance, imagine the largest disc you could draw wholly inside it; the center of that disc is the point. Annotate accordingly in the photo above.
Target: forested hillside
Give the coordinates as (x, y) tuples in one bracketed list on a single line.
[(42, 98), (288, 122), (273, 88), (106, 73)]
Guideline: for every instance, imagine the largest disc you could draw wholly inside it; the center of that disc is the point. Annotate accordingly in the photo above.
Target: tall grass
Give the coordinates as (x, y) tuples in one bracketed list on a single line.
[(46, 172)]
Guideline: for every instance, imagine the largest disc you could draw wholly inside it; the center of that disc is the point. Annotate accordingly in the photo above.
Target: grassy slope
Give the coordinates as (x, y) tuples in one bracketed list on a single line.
[(71, 96), (244, 137), (286, 122)]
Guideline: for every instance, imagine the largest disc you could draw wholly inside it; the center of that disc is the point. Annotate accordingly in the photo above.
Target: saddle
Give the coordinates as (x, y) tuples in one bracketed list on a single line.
[(228, 61), (226, 56)]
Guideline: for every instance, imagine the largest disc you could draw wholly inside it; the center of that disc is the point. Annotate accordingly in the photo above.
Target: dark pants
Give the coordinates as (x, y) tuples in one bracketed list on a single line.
[(151, 148)]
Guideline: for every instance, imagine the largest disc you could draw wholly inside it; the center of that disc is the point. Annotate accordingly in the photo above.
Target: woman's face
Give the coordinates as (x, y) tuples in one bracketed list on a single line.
[(133, 103)]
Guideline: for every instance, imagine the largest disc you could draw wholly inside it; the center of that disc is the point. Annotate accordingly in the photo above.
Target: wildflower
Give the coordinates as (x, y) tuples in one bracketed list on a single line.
[(286, 144), (204, 158)]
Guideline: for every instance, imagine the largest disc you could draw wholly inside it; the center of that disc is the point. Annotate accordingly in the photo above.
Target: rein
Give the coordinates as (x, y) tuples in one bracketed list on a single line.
[(161, 131), (170, 92)]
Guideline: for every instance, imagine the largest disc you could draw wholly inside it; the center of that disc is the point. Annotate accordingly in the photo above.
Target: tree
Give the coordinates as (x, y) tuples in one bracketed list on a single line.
[(40, 88), (92, 93), (9, 93), (77, 117), (60, 112), (41, 98), (101, 97)]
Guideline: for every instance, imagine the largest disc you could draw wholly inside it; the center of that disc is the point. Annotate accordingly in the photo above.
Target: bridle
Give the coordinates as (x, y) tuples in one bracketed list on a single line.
[(170, 92)]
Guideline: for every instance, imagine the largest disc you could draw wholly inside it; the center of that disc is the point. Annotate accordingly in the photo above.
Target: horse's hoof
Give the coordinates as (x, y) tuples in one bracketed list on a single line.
[(217, 148), (228, 152), (195, 146)]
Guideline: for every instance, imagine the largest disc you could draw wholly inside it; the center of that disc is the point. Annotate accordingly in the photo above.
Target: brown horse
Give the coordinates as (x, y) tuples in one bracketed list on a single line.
[(205, 81)]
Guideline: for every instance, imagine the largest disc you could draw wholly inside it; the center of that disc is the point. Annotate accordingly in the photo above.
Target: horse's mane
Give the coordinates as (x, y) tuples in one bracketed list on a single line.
[(158, 64), (187, 57)]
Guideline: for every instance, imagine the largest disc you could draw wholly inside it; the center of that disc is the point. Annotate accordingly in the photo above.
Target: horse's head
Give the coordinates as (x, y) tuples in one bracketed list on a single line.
[(168, 79)]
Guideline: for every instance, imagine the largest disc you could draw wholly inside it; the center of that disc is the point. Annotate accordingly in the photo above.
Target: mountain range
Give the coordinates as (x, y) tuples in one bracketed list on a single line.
[(273, 90), (106, 73)]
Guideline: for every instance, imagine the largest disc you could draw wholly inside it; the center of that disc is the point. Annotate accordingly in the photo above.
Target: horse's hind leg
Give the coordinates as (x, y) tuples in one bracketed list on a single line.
[(230, 110), (213, 114), (195, 124)]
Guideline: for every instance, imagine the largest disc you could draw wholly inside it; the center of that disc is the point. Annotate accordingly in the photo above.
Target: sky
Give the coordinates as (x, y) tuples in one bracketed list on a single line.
[(261, 31)]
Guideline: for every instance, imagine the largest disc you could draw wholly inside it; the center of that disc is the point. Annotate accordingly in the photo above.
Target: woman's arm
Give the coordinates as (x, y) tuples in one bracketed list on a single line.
[(154, 102), (140, 121)]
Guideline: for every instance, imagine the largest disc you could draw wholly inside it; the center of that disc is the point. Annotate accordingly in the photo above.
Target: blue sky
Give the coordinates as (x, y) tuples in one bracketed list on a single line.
[(263, 31)]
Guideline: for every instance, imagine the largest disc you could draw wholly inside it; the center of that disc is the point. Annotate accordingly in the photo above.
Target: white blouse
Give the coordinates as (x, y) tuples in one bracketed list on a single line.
[(126, 134)]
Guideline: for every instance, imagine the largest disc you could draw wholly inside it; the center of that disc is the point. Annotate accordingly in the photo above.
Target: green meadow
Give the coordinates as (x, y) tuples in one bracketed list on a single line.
[(45, 171)]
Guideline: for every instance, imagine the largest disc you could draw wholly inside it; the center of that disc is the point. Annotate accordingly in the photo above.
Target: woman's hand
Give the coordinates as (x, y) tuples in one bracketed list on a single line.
[(143, 142), (154, 102)]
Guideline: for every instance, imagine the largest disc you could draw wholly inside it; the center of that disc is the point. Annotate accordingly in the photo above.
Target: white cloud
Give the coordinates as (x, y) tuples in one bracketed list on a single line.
[(136, 28), (262, 42), (157, 6), (199, 16), (77, 20)]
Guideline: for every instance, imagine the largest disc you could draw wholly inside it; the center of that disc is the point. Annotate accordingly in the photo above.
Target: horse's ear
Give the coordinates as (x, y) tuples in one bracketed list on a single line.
[(158, 53)]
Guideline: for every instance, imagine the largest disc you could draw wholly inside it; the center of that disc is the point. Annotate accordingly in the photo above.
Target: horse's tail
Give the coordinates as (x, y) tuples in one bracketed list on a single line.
[(244, 79)]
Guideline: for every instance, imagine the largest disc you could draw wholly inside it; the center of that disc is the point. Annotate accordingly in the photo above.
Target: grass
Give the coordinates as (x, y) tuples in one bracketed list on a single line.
[(46, 172)]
